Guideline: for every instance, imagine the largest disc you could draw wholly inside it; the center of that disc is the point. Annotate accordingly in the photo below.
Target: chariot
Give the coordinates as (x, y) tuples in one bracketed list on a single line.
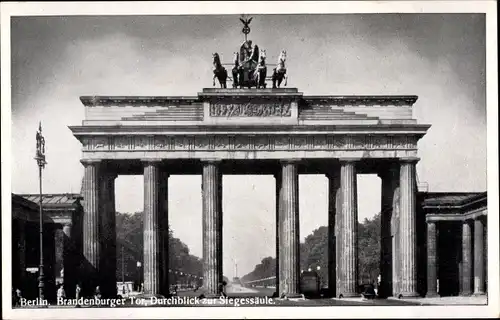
[(249, 68)]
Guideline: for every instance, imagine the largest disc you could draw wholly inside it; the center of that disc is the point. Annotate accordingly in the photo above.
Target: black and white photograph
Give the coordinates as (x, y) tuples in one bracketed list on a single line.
[(249, 159)]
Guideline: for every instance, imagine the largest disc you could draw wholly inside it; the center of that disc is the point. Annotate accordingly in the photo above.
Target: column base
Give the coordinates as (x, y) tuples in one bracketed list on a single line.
[(349, 295), (432, 295), (294, 295), (408, 295), (465, 294), (479, 294)]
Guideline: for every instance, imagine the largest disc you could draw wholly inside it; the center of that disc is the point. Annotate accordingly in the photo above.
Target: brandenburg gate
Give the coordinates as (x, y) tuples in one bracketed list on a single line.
[(252, 131)]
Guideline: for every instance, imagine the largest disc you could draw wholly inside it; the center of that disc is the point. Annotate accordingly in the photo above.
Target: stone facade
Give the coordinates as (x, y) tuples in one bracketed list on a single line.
[(267, 131), (456, 241), (62, 241)]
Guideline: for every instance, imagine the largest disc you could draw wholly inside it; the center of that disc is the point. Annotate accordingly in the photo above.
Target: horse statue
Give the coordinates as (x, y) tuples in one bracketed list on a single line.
[(279, 73), (236, 69), (260, 72), (219, 71)]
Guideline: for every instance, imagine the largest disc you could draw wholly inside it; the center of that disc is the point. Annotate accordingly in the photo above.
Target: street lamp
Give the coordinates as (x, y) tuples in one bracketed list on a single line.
[(40, 160), (318, 268), (139, 275)]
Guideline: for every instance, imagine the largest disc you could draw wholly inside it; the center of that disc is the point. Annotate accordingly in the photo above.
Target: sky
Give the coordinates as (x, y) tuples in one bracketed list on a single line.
[(438, 57)]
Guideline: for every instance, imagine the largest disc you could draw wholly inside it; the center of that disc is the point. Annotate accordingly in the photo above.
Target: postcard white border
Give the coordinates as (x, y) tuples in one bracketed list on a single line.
[(272, 7)]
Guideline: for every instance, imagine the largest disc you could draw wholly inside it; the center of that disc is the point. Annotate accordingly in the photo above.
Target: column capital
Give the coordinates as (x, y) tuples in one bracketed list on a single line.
[(333, 173), (409, 159), (349, 160), (88, 162), (151, 161), (110, 175), (290, 161), (388, 170), (211, 161)]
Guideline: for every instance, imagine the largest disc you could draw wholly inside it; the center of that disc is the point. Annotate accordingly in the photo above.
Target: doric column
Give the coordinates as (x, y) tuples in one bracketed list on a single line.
[(108, 238), (212, 228), (277, 178), (466, 259), (478, 257), (152, 231), (91, 226), (333, 204), (69, 261), (390, 185), (349, 229), (112, 239), (163, 196), (289, 263), (432, 256), (408, 227)]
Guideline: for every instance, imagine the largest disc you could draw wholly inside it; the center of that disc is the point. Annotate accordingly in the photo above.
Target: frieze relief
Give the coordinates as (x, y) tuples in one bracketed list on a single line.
[(249, 142), (250, 110)]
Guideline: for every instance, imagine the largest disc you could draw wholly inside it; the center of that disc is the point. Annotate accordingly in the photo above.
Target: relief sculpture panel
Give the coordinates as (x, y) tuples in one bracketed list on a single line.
[(250, 110)]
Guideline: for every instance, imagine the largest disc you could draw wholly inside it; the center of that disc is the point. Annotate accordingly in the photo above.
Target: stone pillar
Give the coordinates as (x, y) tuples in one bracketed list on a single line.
[(163, 197), (389, 214), (339, 280), (108, 238), (70, 263), (112, 240), (349, 230), (333, 204), (278, 179), (466, 259), (289, 241), (91, 226), (408, 227), (478, 257), (212, 228), (152, 231), (432, 259)]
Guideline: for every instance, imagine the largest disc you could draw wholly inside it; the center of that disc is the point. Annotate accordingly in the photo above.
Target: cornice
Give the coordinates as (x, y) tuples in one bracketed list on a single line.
[(387, 129), (221, 94), (135, 101), (362, 100)]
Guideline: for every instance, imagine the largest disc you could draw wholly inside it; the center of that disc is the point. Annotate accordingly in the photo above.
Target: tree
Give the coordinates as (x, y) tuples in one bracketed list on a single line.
[(369, 249), (129, 235), (314, 253)]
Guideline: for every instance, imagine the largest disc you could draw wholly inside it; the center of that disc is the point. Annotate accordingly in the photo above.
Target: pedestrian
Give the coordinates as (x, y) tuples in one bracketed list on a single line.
[(61, 294), (17, 297), (222, 288), (97, 293), (78, 289)]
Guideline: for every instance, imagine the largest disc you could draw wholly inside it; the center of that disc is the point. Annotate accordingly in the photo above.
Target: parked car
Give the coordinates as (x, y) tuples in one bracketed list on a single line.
[(310, 284), (367, 291)]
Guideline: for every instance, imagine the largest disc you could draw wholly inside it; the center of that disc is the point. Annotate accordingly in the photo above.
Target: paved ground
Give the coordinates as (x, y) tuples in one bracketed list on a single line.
[(472, 300)]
